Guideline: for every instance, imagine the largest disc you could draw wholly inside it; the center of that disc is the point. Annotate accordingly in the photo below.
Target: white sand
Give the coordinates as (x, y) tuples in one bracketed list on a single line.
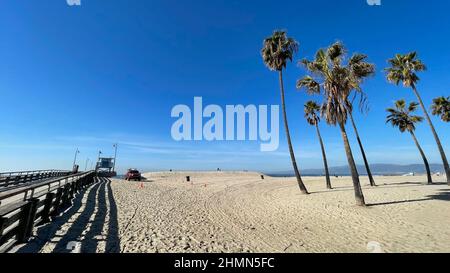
[(239, 212)]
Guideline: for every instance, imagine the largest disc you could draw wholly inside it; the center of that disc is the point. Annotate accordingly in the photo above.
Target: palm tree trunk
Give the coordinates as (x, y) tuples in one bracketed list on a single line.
[(366, 163), (359, 196), (324, 156), (288, 136), (436, 137), (425, 161)]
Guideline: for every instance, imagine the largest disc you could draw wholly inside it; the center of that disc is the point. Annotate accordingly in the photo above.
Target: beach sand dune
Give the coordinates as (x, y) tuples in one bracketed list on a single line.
[(240, 212)]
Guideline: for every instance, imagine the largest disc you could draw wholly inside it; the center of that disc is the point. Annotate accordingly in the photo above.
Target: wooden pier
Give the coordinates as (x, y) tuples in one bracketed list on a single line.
[(29, 199), (13, 179)]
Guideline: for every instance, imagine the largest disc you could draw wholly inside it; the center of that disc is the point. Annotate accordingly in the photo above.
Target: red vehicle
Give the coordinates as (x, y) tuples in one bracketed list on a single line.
[(133, 174)]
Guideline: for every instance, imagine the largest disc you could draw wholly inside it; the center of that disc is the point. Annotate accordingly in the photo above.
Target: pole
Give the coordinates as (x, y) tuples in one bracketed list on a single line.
[(115, 156), (85, 167), (98, 159), (75, 158)]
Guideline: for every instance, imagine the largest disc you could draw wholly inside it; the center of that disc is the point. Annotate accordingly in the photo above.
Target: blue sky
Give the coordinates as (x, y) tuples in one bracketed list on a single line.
[(111, 71)]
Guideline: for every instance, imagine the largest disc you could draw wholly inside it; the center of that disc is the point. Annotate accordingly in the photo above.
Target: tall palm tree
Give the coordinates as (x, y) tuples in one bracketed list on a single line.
[(403, 69), (401, 117), (366, 162), (360, 67), (441, 107), (277, 50), (311, 114), (336, 80)]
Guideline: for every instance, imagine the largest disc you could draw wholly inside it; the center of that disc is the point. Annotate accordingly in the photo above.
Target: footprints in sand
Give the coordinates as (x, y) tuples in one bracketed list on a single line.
[(239, 213)]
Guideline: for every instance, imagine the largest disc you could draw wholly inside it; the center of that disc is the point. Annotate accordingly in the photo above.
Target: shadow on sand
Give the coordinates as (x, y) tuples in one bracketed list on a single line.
[(391, 185), (88, 230), (442, 195)]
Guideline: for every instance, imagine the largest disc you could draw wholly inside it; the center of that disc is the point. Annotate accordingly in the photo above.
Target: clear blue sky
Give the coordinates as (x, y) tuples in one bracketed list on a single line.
[(110, 71)]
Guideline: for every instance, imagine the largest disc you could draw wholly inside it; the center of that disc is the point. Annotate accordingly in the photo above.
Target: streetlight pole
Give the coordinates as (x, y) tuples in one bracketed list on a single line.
[(115, 156), (75, 158), (98, 159), (85, 167)]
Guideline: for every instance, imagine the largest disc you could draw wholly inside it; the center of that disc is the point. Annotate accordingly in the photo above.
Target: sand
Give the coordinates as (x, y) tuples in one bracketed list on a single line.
[(240, 212)]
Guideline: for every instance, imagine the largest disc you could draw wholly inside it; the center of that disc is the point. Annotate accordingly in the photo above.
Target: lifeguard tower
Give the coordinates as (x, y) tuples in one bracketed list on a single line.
[(105, 167)]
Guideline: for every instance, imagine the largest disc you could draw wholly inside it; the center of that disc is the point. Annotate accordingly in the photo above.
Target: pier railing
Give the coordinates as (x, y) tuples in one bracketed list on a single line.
[(11, 179), (23, 208)]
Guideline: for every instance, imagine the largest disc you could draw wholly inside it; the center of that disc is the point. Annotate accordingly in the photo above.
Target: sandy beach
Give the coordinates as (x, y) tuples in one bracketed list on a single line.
[(240, 212)]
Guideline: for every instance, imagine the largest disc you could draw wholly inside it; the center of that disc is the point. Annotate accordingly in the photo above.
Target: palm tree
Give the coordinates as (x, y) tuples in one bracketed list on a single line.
[(366, 162), (401, 117), (441, 107), (403, 69), (330, 76), (311, 114), (277, 50), (360, 67)]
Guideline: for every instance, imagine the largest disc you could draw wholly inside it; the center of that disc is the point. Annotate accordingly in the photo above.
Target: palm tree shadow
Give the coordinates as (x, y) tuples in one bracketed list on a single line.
[(442, 195), (415, 183), (88, 228), (379, 186), (404, 183)]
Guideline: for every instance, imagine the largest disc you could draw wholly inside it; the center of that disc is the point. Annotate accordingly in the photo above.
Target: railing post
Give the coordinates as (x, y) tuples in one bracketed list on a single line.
[(84, 182), (32, 218), (17, 180), (58, 197), (26, 222), (25, 213), (79, 184), (47, 207), (72, 190), (8, 178), (2, 224), (65, 197)]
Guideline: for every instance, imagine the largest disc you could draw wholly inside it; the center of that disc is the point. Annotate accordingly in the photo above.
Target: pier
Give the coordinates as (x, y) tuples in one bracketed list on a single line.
[(33, 198)]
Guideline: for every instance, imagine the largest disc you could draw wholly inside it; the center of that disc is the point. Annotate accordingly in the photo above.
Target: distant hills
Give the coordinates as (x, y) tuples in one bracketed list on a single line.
[(377, 169)]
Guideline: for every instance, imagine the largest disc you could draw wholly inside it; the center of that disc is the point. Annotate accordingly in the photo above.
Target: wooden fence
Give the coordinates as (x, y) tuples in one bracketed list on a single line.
[(21, 209), (12, 179)]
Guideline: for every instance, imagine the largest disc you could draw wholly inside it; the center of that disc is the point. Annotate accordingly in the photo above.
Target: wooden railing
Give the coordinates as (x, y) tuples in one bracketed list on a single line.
[(21, 209), (12, 179)]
